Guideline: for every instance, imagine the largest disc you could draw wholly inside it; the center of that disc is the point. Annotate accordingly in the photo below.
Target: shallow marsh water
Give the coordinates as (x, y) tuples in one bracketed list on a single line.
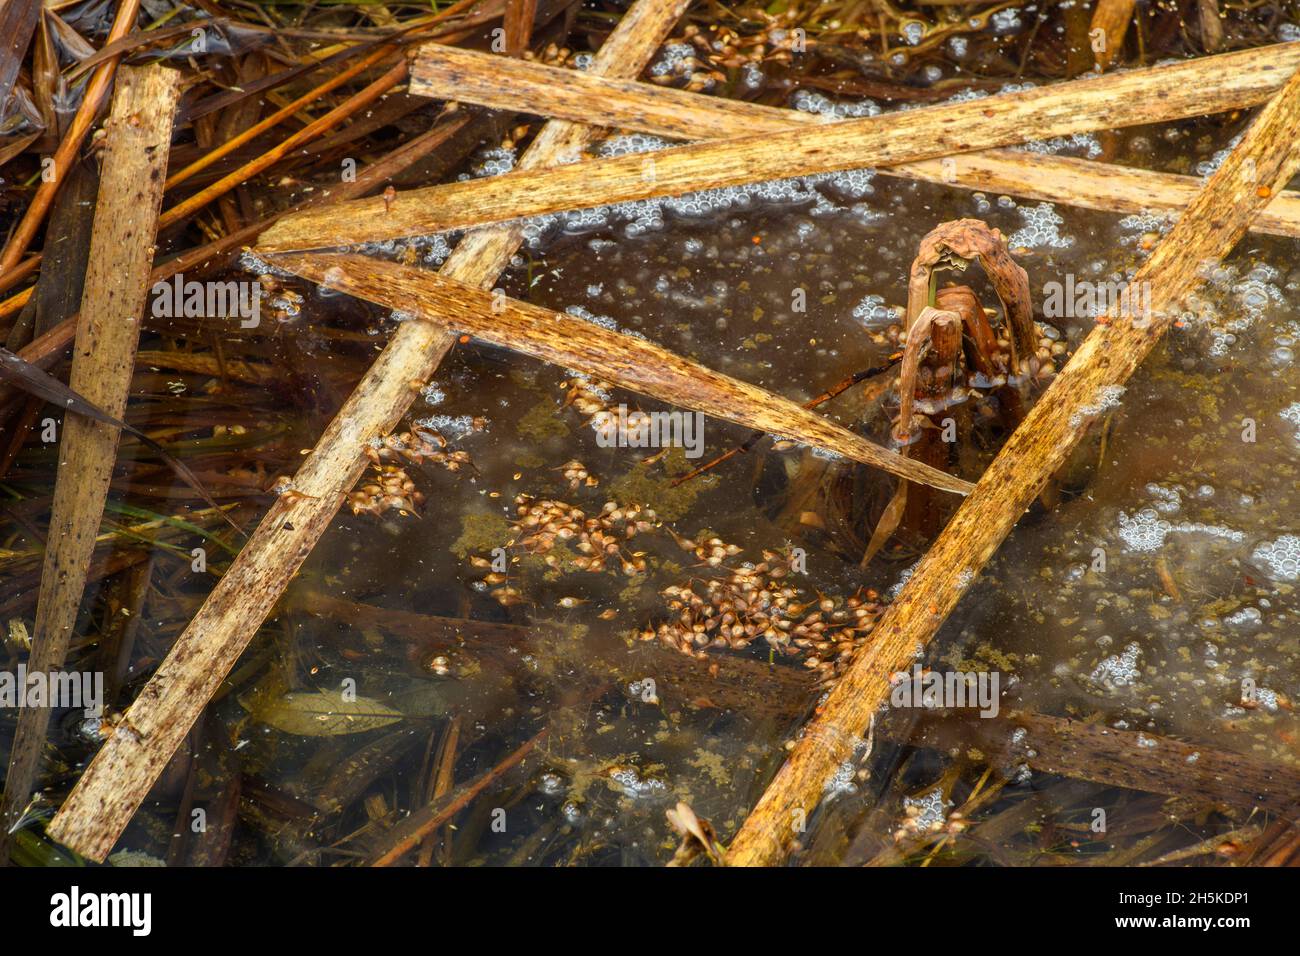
[(1073, 613), (1165, 577)]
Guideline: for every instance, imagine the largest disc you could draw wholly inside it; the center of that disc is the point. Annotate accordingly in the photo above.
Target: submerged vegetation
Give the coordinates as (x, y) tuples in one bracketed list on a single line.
[(407, 528)]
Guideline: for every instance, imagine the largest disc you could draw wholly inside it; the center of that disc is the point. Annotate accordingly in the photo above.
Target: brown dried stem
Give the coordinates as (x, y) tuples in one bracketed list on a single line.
[(1195, 87)]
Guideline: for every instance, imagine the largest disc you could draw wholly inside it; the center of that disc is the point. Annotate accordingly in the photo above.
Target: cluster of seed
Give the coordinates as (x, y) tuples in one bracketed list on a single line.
[(757, 601), (553, 55), (701, 57), (917, 822), (575, 473), (285, 305), (588, 397), (391, 489), (416, 448), (597, 540), (1042, 364), (710, 551), (591, 399)]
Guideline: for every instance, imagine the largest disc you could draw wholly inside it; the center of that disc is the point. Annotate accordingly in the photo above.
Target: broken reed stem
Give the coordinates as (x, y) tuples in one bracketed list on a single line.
[(96, 90), (972, 239), (1112, 18), (521, 85), (518, 24), (18, 273), (1196, 87), (920, 330), (623, 360), (111, 789), (117, 282), (1115, 758), (1266, 158), (410, 832)]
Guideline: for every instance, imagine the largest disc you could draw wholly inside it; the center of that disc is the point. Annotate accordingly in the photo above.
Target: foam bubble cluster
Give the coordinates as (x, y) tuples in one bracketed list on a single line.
[(902, 580), (1246, 617), (1006, 21), (1105, 398), (677, 59), (873, 312), (1147, 222), (648, 215), (1042, 228), (1233, 303), (633, 784), (1208, 167), (437, 250), (1292, 414), (629, 144), (810, 101), (1118, 670), (1168, 500), (1145, 531), (841, 782), (1280, 558), (491, 162), (604, 321), (928, 811), (451, 427), (1086, 143)]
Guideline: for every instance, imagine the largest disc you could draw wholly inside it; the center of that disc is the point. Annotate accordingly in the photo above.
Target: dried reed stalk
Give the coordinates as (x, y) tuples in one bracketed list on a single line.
[(1109, 25), (117, 282), (623, 360), (1195, 87), (524, 86)]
